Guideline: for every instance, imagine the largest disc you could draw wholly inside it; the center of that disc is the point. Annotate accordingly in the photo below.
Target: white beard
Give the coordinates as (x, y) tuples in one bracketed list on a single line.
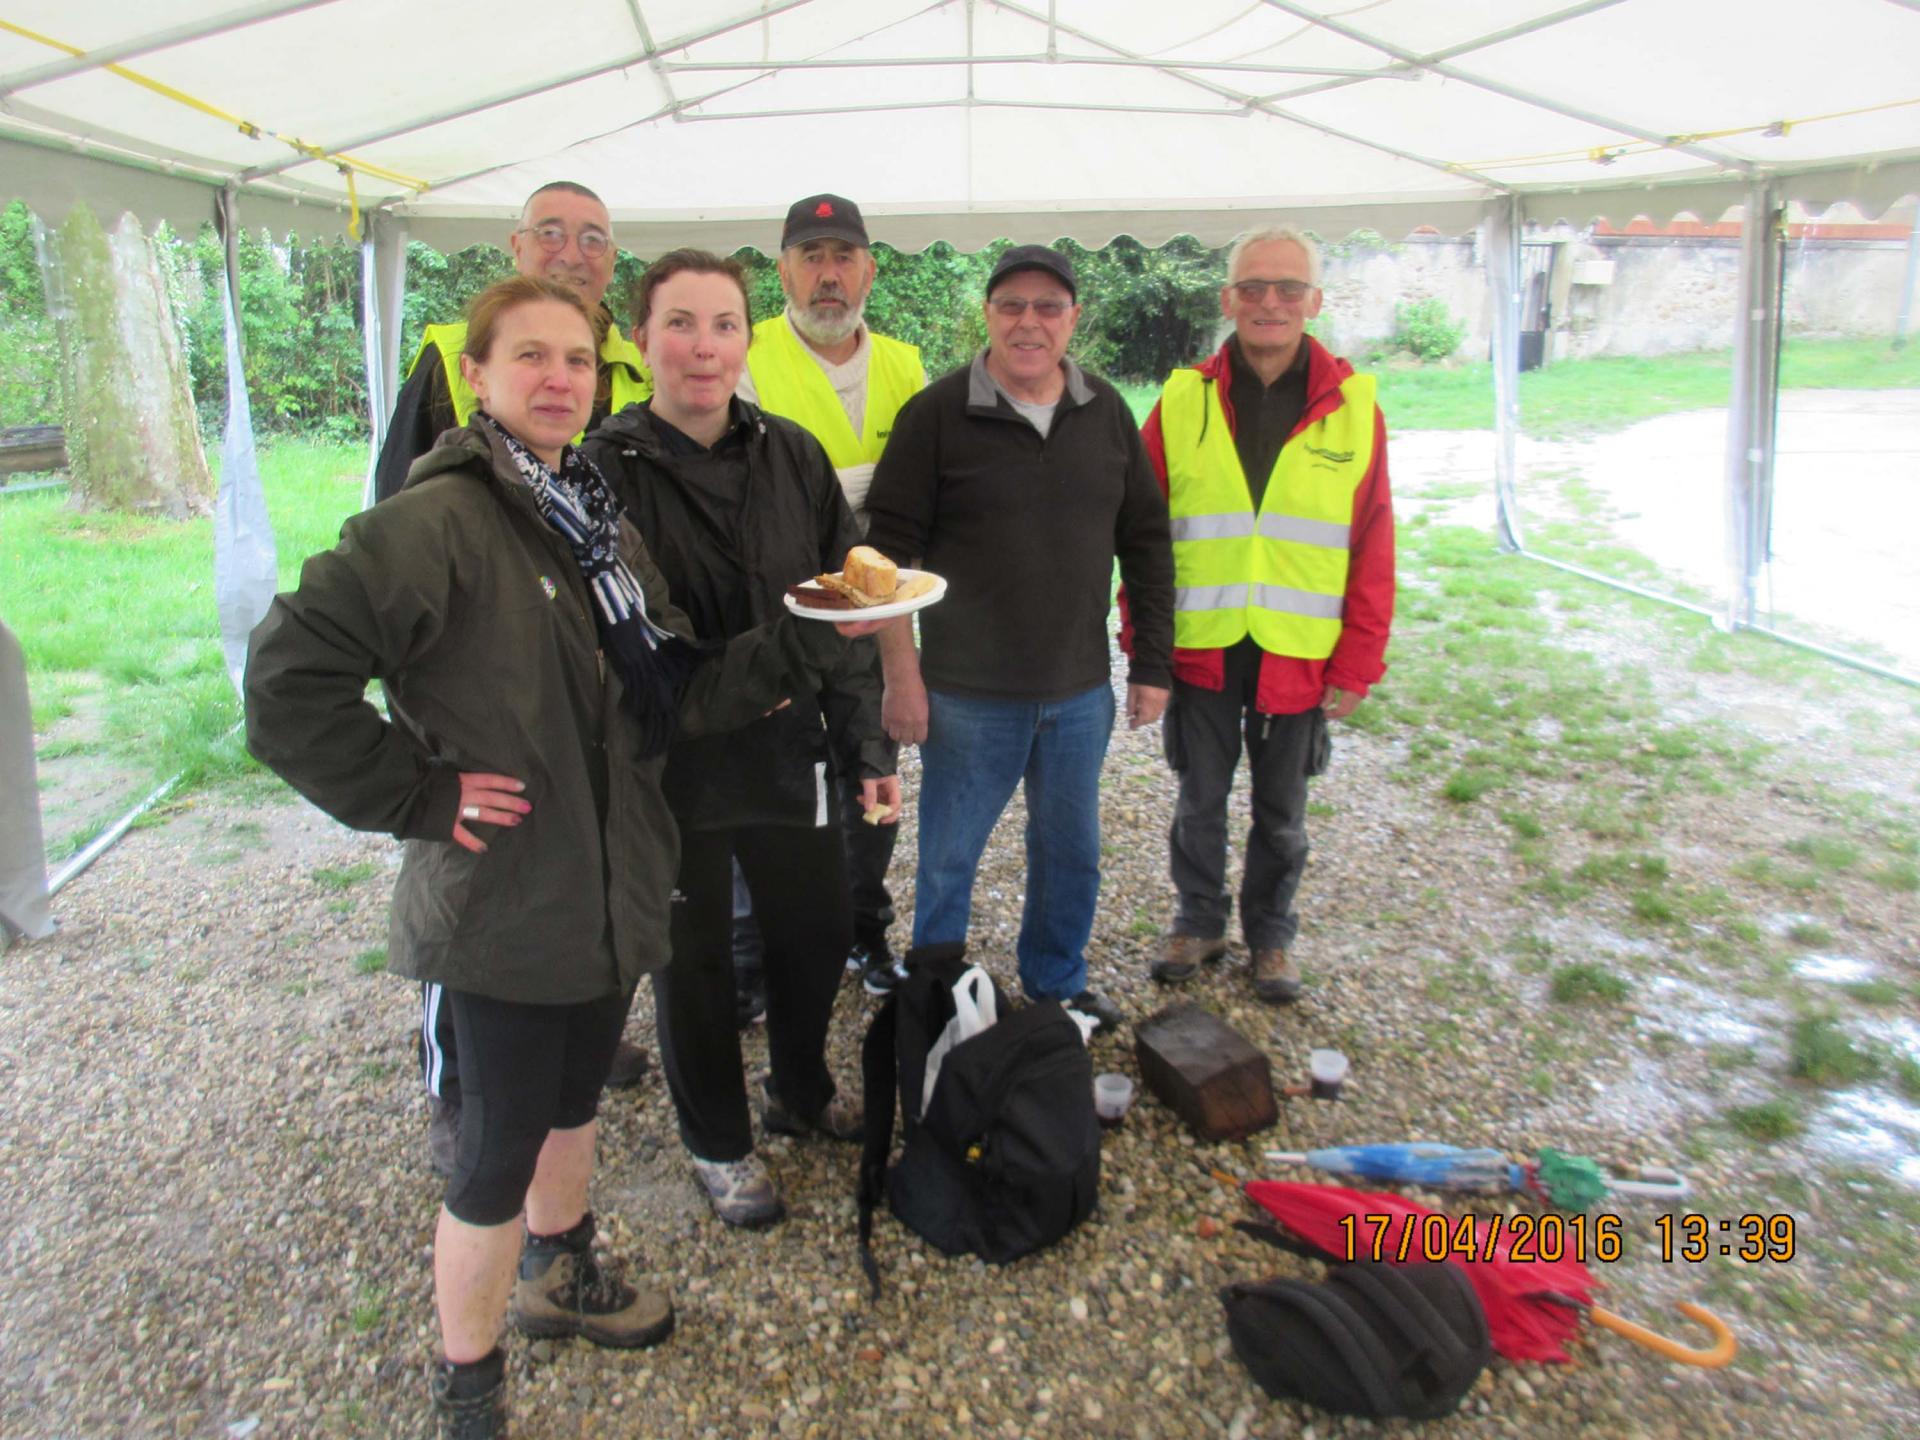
[(829, 328)]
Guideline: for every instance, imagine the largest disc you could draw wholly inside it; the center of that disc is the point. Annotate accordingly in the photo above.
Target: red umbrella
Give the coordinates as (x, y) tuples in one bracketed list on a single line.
[(1533, 1307)]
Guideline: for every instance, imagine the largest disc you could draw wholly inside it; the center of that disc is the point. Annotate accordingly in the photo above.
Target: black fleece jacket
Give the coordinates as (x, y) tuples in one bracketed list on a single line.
[(1026, 531), (730, 528)]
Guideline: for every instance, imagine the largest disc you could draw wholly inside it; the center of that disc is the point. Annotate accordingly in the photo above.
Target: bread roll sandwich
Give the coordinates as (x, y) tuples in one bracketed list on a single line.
[(869, 578)]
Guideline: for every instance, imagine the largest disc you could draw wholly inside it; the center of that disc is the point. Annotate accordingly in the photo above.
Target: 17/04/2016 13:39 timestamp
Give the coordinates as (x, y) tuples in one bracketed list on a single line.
[(1550, 1239)]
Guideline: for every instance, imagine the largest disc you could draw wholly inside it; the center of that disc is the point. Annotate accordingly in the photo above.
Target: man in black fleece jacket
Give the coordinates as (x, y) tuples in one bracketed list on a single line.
[(1021, 479)]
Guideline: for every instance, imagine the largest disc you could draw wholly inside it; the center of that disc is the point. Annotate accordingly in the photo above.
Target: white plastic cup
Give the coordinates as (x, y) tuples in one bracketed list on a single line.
[(1112, 1094), (1327, 1069)]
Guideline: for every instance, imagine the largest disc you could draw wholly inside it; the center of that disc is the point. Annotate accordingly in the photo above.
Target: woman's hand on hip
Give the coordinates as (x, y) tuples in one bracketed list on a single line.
[(487, 800)]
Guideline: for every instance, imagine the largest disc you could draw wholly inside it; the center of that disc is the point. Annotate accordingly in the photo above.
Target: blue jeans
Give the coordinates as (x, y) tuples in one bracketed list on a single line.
[(976, 751)]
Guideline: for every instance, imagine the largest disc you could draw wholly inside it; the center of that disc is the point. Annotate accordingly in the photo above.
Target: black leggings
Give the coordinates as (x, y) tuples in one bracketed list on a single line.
[(524, 1070)]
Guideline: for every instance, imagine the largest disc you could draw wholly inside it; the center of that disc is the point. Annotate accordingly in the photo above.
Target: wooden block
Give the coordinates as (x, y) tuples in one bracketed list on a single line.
[(1206, 1072)]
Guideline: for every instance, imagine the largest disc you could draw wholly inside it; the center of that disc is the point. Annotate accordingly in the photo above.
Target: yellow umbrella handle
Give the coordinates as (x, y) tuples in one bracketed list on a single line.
[(1724, 1344)]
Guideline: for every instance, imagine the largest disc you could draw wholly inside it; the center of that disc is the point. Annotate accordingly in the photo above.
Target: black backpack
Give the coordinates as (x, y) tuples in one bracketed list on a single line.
[(1006, 1158), (1373, 1339)]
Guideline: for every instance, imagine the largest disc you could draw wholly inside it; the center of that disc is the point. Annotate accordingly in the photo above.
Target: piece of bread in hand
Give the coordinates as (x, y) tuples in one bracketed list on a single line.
[(871, 573)]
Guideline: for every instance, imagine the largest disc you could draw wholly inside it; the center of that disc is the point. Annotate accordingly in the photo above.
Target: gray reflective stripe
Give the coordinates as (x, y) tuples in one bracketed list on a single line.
[(1308, 532), (1288, 601), (1211, 597), (1233, 525)]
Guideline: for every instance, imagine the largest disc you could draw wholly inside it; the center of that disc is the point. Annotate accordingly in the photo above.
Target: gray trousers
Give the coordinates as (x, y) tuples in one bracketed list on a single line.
[(1204, 730)]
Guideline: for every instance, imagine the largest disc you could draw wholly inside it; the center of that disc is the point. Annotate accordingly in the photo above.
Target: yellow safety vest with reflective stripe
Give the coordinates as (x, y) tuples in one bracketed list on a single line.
[(1279, 576), (619, 356), (789, 381)]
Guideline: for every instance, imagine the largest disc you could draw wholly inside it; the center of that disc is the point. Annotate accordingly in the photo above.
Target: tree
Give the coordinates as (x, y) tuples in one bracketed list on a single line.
[(132, 440), (29, 351)]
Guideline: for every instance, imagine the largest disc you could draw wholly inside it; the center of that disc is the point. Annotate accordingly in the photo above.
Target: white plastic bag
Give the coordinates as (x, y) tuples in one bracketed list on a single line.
[(974, 1009)]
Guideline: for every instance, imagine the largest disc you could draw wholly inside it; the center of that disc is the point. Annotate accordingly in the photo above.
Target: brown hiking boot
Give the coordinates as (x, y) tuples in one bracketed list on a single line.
[(1276, 980), (563, 1291), (1183, 955)]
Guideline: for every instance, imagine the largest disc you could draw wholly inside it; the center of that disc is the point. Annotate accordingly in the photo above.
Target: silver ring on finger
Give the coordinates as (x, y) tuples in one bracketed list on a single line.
[(470, 812)]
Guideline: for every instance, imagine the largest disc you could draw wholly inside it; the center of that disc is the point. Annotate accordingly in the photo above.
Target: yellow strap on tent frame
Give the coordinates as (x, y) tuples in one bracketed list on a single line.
[(1607, 154), (345, 164)]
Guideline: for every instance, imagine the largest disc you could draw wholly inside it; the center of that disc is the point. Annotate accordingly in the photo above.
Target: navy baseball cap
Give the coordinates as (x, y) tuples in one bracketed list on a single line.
[(1035, 257)]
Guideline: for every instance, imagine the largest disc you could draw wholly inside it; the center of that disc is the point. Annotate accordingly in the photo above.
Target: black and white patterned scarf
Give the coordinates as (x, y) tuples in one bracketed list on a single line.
[(653, 663)]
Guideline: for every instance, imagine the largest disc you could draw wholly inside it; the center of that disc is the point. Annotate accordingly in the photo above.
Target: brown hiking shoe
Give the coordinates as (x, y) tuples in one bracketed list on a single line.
[(1275, 978), (1183, 955), (563, 1291)]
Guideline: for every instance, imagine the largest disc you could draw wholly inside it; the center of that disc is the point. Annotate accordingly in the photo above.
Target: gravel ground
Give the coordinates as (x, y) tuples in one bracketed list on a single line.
[(213, 1151)]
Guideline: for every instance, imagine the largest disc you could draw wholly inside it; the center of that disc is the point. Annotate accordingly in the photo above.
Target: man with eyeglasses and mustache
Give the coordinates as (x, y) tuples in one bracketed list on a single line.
[(566, 235), (1021, 479), (1273, 454), (821, 366)]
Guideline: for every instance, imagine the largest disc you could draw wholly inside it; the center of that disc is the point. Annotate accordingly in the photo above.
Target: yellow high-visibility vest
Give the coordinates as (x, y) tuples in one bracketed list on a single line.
[(789, 381), (1279, 576), (619, 356)]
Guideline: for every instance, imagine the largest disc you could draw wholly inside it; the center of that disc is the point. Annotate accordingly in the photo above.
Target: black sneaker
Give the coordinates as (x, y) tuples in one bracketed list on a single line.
[(469, 1401), (750, 1005), (1107, 1016), (879, 971)]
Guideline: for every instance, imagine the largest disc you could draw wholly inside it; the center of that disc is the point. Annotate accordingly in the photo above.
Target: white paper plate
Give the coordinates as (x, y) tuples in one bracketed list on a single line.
[(874, 612)]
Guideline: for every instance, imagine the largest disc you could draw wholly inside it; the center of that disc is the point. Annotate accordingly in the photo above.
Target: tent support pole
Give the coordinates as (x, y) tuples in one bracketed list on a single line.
[(1501, 250), (1753, 403), (246, 570), (383, 282), (1903, 324)]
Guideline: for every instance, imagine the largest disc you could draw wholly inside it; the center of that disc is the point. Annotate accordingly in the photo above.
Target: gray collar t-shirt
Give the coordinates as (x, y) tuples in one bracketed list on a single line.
[(983, 388)]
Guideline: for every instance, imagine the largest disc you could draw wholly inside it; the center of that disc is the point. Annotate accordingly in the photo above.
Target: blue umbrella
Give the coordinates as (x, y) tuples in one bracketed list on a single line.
[(1570, 1181)]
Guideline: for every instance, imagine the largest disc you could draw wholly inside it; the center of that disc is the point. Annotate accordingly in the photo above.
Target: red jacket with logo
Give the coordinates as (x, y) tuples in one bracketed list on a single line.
[(1288, 684)]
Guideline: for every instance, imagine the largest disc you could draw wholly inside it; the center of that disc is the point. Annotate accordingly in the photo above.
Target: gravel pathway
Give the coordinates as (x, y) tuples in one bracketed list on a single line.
[(213, 1142)]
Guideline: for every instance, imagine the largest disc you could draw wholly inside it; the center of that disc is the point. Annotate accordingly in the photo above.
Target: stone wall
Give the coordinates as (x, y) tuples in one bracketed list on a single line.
[(1666, 293)]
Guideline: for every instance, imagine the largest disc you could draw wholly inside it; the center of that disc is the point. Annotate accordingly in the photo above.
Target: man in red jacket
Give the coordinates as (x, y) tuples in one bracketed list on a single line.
[(1274, 458)]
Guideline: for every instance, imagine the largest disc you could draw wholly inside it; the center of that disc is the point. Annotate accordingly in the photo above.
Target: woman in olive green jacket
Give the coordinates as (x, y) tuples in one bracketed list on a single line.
[(535, 671)]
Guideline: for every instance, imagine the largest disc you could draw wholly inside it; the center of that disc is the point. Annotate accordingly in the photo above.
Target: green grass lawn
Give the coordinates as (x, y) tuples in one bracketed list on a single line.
[(1590, 397), (121, 608)]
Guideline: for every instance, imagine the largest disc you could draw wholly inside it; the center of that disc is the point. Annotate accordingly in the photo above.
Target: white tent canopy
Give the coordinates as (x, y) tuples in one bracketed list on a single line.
[(963, 120)]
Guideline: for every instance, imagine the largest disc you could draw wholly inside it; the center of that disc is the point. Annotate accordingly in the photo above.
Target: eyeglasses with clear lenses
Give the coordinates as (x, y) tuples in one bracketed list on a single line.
[(1011, 307), (1254, 291), (553, 236)]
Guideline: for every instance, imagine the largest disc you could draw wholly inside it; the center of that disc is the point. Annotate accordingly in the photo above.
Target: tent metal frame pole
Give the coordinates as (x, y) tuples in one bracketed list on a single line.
[(1718, 616), (1254, 105), (527, 92), (158, 40), (382, 291), (1467, 47), (1247, 67), (957, 103), (1903, 322), (1511, 92), (1752, 402), (1502, 231)]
